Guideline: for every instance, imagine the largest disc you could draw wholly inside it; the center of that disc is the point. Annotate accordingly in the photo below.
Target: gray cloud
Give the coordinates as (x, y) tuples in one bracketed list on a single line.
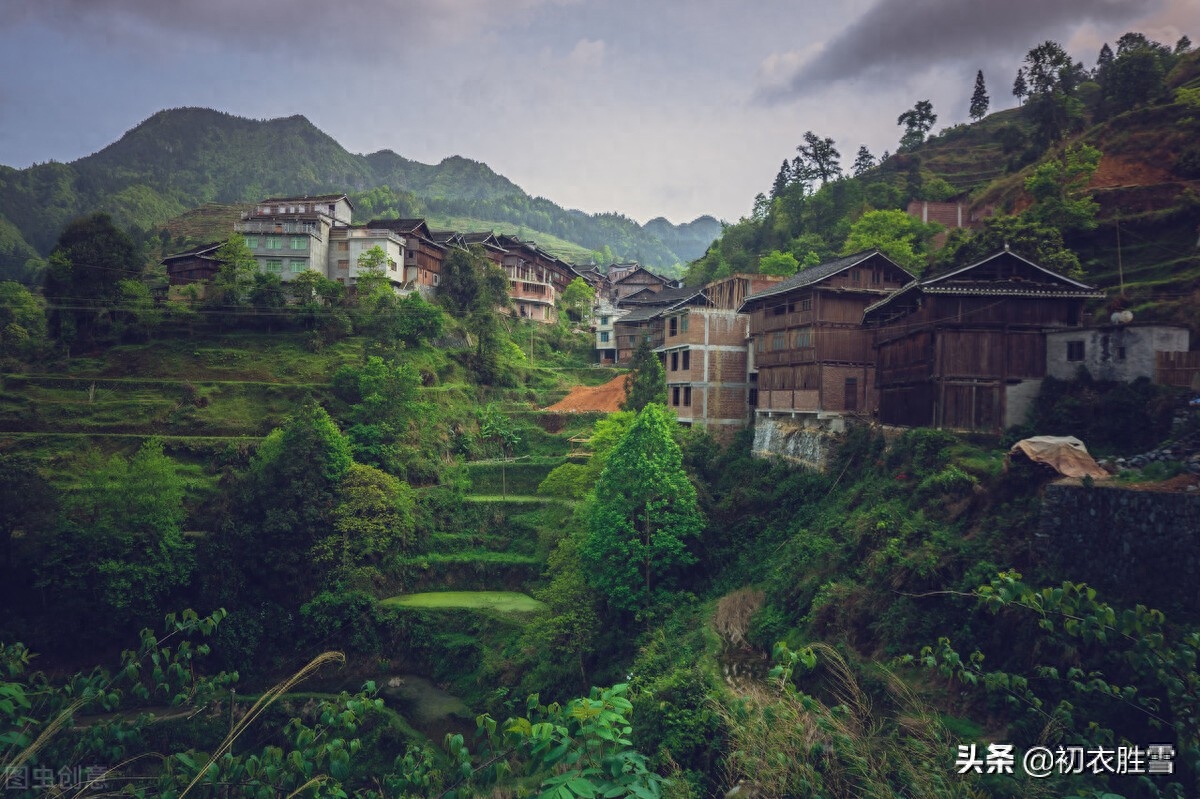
[(897, 38), (358, 30)]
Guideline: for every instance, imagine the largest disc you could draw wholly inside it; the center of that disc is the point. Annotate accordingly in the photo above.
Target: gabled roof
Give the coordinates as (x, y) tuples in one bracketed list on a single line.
[(637, 270), (641, 314), (815, 274), (408, 227), (200, 251), (959, 281), (667, 296), (317, 198)]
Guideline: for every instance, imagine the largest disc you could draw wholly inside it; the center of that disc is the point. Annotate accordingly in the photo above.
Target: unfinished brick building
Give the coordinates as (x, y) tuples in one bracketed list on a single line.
[(705, 356)]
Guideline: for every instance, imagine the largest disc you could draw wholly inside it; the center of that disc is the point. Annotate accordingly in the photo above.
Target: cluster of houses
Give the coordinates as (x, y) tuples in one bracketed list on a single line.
[(293, 235), (858, 336), (861, 337)]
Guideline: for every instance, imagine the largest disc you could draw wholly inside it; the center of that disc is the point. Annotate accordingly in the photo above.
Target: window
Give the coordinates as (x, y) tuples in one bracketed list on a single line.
[(343, 246), (850, 400), (252, 242), (687, 396), (604, 337), (675, 396), (779, 310), (274, 265), (603, 320), (876, 276), (1120, 353), (299, 242), (778, 341), (297, 265), (803, 337), (683, 324), (343, 265), (806, 304), (1075, 351), (855, 276), (673, 326), (274, 243), (674, 361), (687, 359)]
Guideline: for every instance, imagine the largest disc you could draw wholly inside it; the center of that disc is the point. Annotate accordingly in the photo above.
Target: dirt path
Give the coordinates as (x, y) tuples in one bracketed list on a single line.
[(593, 399)]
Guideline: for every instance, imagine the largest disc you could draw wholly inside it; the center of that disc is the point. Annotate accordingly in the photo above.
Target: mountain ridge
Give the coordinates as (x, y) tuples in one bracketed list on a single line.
[(179, 159)]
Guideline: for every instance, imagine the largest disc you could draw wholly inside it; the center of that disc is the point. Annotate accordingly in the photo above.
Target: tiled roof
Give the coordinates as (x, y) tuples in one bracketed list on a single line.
[(202, 249), (318, 198), (661, 297), (641, 314), (814, 274)]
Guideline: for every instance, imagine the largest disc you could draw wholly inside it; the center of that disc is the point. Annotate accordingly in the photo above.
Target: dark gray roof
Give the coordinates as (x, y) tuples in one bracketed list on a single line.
[(815, 274), (641, 314), (665, 296), (198, 251)]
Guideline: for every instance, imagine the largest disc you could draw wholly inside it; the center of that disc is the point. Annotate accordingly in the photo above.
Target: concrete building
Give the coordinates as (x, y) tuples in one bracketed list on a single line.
[(347, 245), (606, 315), (1112, 352)]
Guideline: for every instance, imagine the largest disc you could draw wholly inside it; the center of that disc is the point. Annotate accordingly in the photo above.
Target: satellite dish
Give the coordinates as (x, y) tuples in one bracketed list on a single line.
[(1122, 317)]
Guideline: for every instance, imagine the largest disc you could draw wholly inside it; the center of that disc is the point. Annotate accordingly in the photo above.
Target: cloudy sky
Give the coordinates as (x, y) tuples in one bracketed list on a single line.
[(659, 107)]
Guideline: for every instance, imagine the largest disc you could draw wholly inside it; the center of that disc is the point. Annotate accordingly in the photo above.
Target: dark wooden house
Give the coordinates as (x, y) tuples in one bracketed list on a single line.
[(635, 279), (966, 350), (423, 255), (196, 265), (810, 353)]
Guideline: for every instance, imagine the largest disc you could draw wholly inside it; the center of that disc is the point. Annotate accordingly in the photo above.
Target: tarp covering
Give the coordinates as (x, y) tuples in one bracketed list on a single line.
[(1064, 454)]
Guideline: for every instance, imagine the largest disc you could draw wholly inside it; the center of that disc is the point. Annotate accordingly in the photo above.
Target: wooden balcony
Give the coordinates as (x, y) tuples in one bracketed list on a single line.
[(762, 322)]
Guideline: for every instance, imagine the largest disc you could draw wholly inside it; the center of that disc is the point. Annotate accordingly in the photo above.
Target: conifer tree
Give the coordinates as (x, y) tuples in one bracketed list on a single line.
[(647, 383), (1020, 87), (782, 179), (863, 161), (979, 100)]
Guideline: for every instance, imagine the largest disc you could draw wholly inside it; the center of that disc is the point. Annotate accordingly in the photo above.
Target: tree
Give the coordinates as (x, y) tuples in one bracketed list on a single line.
[(1020, 88), (819, 157), (1183, 46), (647, 382), (372, 524), (22, 321), (83, 277), (643, 514), (917, 122), (979, 99), (863, 161), (418, 320), (1059, 189), (783, 179), (1136, 73), (235, 277), (120, 551), (474, 288), (895, 234), (778, 263), (1046, 67), (577, 299), (1039, 243), (1103, 63), (28, 504)]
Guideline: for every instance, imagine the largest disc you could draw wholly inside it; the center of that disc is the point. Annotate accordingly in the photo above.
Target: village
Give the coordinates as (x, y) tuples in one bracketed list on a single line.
[(856, 338)]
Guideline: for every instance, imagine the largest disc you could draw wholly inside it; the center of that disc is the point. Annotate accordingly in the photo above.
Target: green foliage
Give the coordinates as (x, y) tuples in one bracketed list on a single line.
[(1039, 243), (577, 299), (1086, 409), (778, 263), (22, 321), (648, 380), (642, 517), (235, 276), (1059, 188), (917, 123), (900, 237), (979, 98), (372, 524), (83, 279)]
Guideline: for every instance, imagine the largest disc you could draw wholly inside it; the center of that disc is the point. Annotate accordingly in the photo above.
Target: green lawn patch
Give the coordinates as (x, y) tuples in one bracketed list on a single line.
[(498, 601)]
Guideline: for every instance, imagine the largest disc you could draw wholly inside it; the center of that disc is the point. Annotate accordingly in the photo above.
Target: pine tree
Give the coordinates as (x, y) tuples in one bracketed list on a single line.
[(782, 179), (1020, 87), (979, 100), (863, 161)]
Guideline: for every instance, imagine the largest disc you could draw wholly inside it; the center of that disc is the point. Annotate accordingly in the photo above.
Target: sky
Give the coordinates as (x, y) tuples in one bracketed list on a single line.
[(672, 108)]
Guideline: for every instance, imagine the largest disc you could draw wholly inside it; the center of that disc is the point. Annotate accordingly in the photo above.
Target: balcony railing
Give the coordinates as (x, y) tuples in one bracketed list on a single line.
[(254, 226)]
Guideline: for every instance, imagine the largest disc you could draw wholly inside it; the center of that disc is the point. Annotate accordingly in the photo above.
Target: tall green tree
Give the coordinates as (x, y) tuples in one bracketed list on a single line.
[(643, 515), (819, 157), (577, 299), (979, 99), (897, 235), (83, 278), (647, 381), (372, 525), (917, 122), (778, 263), (1059, 189), (1020, 88), (235, 276), (863, 161), (120, 551), (22, 321)]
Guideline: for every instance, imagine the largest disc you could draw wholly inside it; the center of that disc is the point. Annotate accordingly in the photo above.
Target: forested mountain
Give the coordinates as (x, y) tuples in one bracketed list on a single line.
[(182, 158)]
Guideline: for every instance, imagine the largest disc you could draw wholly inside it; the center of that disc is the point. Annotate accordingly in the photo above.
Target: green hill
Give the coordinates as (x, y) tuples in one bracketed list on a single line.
[(185, 158)]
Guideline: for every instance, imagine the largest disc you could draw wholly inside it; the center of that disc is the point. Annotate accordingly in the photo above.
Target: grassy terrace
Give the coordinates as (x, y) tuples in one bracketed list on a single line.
[(496, 601)]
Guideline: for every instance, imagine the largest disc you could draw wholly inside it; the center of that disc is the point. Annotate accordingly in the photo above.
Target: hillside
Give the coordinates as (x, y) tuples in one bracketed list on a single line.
[(184, 158)]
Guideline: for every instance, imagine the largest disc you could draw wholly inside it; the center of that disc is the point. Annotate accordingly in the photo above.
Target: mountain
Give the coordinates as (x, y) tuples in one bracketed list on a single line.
[(183, 158)]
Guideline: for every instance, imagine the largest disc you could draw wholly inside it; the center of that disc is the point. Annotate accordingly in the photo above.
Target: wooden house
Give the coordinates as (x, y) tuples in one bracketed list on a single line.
[(635, 279), (966, 350), (194, 265), (809, 352), (423, 255)]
